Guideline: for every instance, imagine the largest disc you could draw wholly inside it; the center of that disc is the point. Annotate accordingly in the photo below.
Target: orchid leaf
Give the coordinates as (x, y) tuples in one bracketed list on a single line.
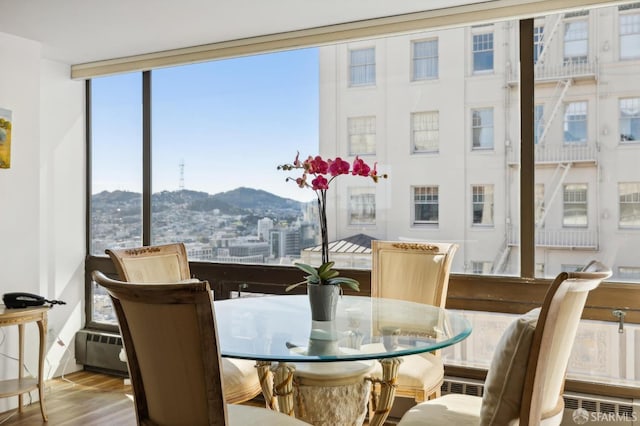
[(325, 267), (292, 286), (327, 275), (308, 269), (349, 282)]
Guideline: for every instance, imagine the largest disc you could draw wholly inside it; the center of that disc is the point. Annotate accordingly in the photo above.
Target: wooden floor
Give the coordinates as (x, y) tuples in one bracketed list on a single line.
[(84, 399)]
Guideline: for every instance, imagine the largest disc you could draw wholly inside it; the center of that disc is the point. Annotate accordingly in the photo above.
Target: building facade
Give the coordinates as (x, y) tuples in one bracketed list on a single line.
[(442, 107)]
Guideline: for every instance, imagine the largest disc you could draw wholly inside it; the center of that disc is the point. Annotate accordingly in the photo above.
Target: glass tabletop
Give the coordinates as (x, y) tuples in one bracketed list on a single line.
[(279, 328)]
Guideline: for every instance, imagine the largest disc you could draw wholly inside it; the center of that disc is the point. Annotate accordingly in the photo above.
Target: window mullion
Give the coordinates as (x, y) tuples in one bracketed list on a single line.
[(146, 158), (527, 169)]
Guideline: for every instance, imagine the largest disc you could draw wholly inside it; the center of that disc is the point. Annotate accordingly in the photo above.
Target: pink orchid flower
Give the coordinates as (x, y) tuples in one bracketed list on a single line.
[(360, 168), (338, 167), (320, 182), (319, 166)]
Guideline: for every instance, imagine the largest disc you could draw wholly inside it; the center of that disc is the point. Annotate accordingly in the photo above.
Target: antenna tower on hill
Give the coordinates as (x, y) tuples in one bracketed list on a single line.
[(181, 185)]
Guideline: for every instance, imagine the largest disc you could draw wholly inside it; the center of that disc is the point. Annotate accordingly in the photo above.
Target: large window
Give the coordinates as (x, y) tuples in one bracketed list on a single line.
[(483, 51), (426, 205), (362, 135), (362, 67), (425, 131), (630, 120), (482, 128), (219, 129), (425, 59), (630, 33), (629, 204)]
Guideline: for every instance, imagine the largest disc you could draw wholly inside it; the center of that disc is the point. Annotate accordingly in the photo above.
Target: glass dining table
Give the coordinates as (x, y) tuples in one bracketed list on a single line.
[(277, 332)]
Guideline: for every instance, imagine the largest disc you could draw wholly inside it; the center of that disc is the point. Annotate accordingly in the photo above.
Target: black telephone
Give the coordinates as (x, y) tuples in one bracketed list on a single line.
[(22, 300)]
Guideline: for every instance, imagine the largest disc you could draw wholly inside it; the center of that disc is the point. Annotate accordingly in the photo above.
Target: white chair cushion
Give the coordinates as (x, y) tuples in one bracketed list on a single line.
[(240, 379), (505, 379), (245, 415), (415, 371), (449, 410)]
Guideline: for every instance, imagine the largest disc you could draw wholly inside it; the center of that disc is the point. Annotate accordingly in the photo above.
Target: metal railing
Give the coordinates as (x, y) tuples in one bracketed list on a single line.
[(568, 153), (549, 72), (559, 238)]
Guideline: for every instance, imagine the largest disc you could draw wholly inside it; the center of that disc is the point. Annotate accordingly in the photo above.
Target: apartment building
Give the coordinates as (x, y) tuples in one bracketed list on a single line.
[(442, 107)]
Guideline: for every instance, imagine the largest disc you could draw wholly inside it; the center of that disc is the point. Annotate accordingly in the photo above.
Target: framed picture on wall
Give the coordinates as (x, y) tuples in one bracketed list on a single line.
[(5, 138)]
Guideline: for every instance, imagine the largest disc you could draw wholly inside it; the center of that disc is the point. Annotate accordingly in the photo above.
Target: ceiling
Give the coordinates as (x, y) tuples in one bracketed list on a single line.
[(81, 31)]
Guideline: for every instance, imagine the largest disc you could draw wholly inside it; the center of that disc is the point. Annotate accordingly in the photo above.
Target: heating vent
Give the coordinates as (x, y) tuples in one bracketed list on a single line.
[(99, 351), (623, 408), (463, 386)]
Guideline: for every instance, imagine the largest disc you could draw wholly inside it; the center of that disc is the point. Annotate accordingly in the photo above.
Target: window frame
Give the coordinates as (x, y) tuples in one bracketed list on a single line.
[(483, 48), (567, 122), (633, 119), (431, 126), (538, 123), (477, 145), (579, 58), (635, 35), (538, 42), (635, 201), (539, 204), (427, 60), (363, 192), (574, 203), (368, 126), (369, 68), (428, 201), (475, 193)]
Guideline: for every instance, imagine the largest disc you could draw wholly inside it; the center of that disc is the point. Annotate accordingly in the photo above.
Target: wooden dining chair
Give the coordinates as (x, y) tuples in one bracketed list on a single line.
[(415, 272), (168, 264), (526, 377), (149, 264), (169, 332)]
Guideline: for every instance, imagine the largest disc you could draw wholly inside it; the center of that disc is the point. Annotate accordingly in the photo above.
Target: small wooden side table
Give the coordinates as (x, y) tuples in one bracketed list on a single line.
[(22, 385)]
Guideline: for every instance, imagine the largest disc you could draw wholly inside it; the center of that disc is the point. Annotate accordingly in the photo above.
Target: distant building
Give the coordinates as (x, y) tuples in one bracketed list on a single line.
[(285, 242), (250, 249), (351, 252), (264, 226)]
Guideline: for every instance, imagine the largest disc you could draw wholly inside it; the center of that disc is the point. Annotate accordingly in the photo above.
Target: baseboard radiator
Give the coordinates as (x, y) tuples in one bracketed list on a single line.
[(100, 351), (610, 410)]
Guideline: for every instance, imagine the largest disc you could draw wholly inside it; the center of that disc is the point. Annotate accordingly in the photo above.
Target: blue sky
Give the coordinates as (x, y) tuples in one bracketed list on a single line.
[(231, 122)]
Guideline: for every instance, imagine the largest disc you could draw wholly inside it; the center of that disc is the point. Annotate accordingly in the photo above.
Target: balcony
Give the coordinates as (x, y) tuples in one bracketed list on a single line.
[(576, 70), (585, 239), (559, 154)]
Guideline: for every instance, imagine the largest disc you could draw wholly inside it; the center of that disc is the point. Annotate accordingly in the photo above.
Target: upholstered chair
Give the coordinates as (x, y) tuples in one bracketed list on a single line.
[(169, 332), (415, 272), (168, 264), (526, 377)]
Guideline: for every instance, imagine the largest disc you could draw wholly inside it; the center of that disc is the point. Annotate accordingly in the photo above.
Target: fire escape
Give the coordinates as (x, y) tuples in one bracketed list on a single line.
[(549, 153)]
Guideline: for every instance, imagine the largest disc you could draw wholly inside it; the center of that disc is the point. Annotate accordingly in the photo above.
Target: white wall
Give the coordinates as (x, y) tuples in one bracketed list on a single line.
[(42, 202)]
